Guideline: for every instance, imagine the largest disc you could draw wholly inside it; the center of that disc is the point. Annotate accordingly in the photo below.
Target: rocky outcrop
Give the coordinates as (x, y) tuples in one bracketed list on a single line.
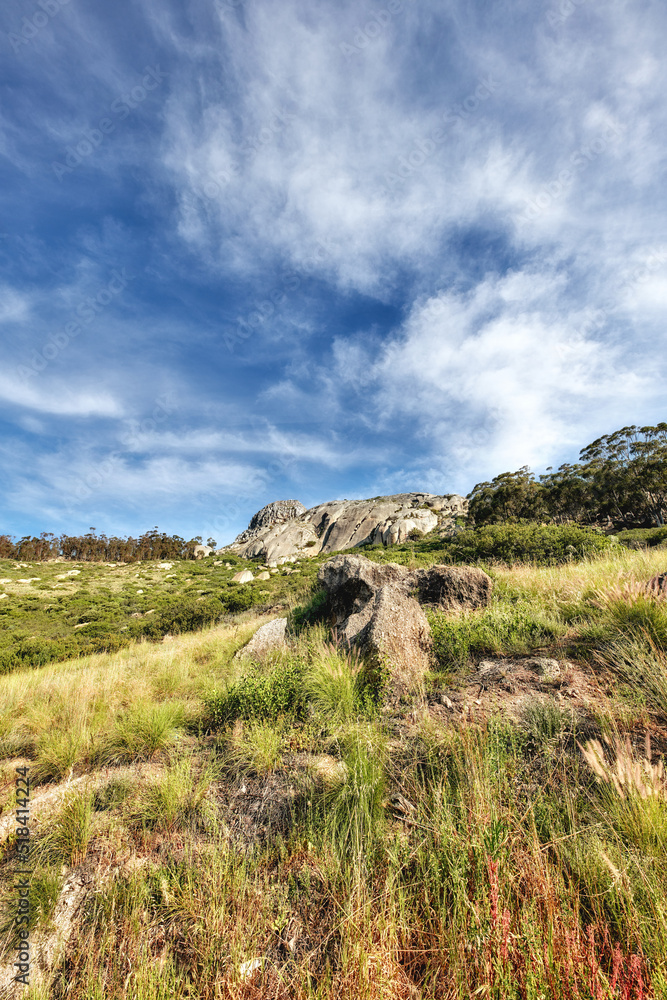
[(377, 607), (449, 587), (201, 551), (274, 513), (267, 637), (285, 529)]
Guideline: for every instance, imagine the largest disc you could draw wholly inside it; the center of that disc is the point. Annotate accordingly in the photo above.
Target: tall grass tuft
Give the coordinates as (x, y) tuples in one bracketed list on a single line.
[(353, 807), (331, 683), (140, 735), (69, 835)]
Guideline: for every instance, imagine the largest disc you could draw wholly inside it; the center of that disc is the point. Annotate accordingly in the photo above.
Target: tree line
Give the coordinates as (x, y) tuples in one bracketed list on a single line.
[(92, 547), (620, 481)]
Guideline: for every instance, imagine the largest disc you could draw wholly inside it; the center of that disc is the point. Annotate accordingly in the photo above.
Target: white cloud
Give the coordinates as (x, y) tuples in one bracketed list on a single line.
[(58, 398)]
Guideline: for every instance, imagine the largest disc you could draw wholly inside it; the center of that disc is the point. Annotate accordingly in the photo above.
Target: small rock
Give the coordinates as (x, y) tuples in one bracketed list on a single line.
[(447, 702), (545, 667), (264, 576), (248, 969)]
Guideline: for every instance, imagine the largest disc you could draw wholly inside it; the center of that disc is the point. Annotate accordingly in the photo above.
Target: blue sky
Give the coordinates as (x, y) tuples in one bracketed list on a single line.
[(254, 250)]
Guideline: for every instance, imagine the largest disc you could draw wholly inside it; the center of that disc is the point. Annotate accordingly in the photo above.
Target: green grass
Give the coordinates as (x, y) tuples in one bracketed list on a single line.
[(140, 735), (425, 858), (503, 628)]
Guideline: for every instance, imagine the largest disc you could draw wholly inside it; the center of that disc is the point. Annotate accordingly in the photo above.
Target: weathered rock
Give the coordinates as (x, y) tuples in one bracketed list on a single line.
[(547, 668), (245, 576), (657, 585), (282, 542), (267, 637), (274, 513), (264, 576), (398, 638), (351, 582), (285, 529), (201, 551), (450, 587)]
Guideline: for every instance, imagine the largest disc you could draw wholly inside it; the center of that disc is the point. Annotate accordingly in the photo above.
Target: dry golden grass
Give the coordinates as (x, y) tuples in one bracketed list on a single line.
[(620, 568)]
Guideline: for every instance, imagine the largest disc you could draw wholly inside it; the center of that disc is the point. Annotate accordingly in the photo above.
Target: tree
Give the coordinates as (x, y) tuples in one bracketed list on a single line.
[(628, 474), (510, 497), (568, 496)]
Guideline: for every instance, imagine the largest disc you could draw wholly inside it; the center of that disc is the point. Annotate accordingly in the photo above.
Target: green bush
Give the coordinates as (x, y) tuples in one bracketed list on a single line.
[(309, 613), (259, 696), (240, 599), (501, 628), (546, 544)]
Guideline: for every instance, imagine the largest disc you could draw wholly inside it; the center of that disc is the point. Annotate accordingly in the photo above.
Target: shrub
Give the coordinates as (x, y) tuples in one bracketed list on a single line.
[(546, 544), (519, 627), (259, 696), (240, 598)]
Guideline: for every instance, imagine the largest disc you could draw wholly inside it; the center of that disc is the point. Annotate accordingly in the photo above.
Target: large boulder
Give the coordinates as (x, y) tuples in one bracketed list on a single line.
[(285, 529), (452, 587), (397, 638), (373, 606)]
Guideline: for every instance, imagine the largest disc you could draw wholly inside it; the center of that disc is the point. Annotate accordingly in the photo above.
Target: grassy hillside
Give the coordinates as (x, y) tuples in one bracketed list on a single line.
[(55, 610), (224, 828)]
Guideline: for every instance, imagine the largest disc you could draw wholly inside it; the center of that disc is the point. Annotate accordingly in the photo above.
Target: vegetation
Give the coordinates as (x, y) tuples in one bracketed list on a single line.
[(91, 547), (418, 857), (621, 480)]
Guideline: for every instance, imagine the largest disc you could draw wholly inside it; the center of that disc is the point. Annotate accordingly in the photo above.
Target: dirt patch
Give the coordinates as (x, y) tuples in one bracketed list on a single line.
[(506, 687), (253, 809)]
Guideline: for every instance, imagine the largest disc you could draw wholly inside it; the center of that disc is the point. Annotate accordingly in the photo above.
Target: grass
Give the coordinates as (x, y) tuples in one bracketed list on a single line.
[(425, 858)]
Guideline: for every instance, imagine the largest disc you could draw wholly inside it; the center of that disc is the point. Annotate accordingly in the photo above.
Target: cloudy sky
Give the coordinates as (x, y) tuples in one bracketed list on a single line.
[(254, 250)]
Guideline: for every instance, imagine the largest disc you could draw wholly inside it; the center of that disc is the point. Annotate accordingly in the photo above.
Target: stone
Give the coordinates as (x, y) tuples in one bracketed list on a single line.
[(201, 551), (267, 637), (398, 639), (263, 576), (245, 576), (449, 587), (657, 585), (351, 581), (286, 529), (546, 668)]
